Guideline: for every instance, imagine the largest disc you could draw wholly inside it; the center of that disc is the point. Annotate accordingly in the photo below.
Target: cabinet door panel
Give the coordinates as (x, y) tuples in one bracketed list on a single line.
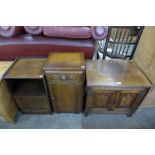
[(66, 97), (127, 99), (102, 99)]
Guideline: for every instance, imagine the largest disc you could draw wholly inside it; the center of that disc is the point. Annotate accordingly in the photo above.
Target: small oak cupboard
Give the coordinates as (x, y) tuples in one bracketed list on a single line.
[(114, 86), (65, 73)]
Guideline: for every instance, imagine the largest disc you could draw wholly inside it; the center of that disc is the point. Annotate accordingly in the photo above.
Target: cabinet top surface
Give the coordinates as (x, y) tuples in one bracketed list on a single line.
[(4, 65), (26, 68), (65, 60), (114, 73)]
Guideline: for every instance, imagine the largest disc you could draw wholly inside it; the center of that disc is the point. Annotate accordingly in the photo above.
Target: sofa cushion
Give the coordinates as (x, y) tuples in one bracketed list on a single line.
[(67, 31)]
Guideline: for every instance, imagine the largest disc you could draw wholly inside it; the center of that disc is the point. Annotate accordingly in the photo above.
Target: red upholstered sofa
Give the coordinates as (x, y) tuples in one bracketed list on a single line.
[(40, 40)]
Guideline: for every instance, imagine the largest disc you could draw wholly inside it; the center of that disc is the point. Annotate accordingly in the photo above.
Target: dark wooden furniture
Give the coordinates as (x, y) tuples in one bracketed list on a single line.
[(114, 86), (26, 81), (65, 74)]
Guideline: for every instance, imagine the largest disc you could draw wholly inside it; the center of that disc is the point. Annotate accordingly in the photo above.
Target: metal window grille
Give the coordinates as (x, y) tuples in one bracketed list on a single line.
[(121, 42)]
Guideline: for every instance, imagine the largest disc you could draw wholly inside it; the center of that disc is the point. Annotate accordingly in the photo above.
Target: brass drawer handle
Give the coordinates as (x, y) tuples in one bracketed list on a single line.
[(64, 77), (53, 98)]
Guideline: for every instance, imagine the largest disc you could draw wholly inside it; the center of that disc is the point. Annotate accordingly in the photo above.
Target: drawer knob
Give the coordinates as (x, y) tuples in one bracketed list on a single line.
[(53, 98), (64, 77)]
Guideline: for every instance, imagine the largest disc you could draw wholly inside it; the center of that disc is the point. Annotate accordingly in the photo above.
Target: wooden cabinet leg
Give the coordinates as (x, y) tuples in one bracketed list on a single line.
[(86, 111), (131, 113), (86, 114)]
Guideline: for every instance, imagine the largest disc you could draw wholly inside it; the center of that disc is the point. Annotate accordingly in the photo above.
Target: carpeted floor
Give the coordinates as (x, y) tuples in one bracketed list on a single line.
[(144, 119)]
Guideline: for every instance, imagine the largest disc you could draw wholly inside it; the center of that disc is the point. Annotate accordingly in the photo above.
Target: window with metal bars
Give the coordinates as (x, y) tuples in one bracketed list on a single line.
[(121, 42)]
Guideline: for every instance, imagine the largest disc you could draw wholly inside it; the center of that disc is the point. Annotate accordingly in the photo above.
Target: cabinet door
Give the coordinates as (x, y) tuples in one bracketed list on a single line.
[(66, 97), (128, 99), (100, 99)]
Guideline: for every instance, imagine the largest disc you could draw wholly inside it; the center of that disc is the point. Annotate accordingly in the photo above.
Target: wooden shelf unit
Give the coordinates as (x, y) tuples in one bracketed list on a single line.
[(26, 81)]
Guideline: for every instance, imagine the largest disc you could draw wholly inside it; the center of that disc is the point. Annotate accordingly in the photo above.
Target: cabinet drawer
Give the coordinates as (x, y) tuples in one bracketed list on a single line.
[(64, 77)]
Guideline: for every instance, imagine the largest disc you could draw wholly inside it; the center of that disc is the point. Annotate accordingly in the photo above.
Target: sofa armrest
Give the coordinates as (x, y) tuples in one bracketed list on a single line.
[(11, 31), (99, 32), (34, 30)]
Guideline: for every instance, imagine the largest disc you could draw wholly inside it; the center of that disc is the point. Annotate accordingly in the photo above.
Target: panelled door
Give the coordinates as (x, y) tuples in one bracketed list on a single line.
[(115, 100), (101, 99), (126, 99), (66, 97)]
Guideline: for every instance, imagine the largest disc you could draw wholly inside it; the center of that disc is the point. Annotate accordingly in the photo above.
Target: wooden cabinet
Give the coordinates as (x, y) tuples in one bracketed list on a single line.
[(114, 86), (7, 104), (65, 77), (26, 82)]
